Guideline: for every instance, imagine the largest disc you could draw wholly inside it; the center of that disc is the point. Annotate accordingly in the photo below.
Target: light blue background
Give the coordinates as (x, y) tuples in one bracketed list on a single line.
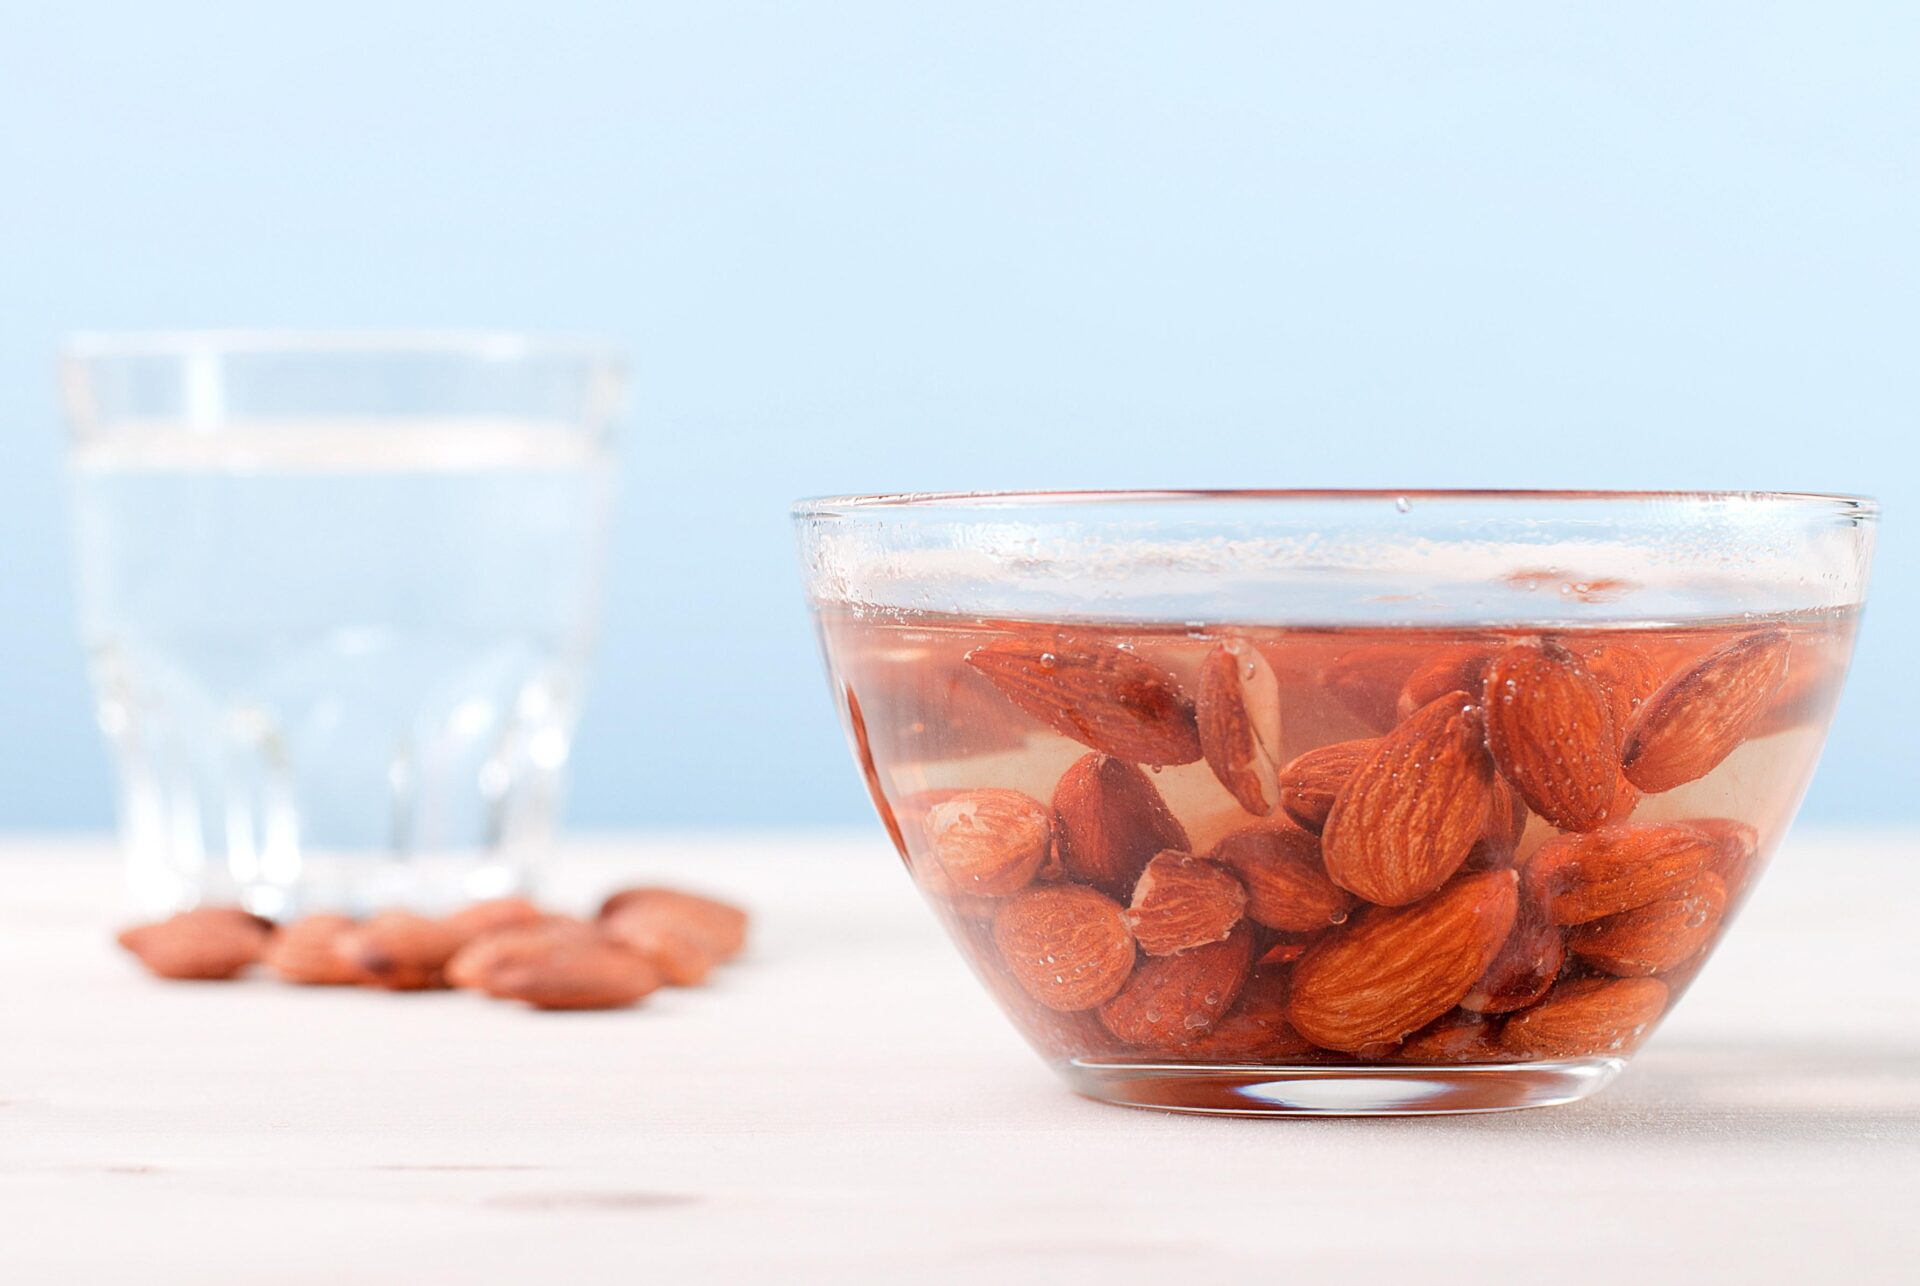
[(899, 246)]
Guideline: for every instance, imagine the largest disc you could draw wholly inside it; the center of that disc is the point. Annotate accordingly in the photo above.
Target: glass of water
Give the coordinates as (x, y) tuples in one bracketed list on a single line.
[(337, 594)]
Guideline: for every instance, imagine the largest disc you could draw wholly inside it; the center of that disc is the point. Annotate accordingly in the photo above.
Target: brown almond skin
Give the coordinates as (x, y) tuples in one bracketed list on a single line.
[(495, 913), (399, 950), (1506, 822), (576, 973), (305, 953), (1367, 680), (719, 927), (473, 966), (1393, 970), (1551, 734), (1627, 677), (1410, 814), (1182, 901), (1582, 877), (1287, 887), (1526, 968), (1739, 845), (676, 946), (1238, 714), (1460, 1037), (1109, 821), (1068, 946), (1310, 782), (1099, 695), (207, 944), (1655, 938), (1461, 668), (1255, 1029), (1698, 718), (990, 842), (1171, 1001), (1589, 1018)]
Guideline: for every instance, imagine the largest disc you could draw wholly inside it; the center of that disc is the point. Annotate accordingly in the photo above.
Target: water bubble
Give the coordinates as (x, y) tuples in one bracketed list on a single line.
[(1402, 504)]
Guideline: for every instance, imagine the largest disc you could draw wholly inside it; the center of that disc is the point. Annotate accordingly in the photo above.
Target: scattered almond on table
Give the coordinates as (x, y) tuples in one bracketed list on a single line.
[(506, 948)]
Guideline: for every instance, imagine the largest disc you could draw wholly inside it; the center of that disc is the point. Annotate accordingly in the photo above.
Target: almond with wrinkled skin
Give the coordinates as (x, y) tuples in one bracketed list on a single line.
[(1283, 951), (207, 944), (1287, 886), (1394, 970), (1526, 967), (719, 927), (1410, 814), (1506, 823), (870, 771), (1657, 937), (1627, 677), (1182, 901), (1309, 784), (473, 965), (1238, 713), (1459, 668), (1588, 1018), (1068, 946), (399, 950), (1583, 877), (1698, 718), (1109, 821), (1459, 1037), (1256, 1029), (1551, 735), (1366, 680), (990, 842), (575, 973), (495, 913), (1739, 845), (1100, 695), (1171, 1001), (305, 952)]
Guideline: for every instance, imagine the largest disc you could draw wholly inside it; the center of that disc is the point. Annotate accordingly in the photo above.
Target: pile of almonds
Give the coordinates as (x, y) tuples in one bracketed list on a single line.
[(507, 948), (1380, 908)]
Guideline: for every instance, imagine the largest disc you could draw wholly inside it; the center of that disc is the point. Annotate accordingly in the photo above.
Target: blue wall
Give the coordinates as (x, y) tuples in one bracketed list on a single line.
[(898, 246)]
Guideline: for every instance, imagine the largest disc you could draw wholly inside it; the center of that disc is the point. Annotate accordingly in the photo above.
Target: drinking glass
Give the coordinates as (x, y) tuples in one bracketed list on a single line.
[(337, 593)]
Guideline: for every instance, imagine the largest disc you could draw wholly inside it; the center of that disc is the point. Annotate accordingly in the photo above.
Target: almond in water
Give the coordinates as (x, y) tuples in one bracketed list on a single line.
[(991, 843), (1109, 821), (1238, 714), (1171, 1001), (1068, 946), (1310, 782), (1287, 885), (1182, 901), (1657, 937), (1255, 1029), (1100, 695), (1525, 970), (208, 944), (1407, 818), (1583, 877), (1376, 981), (1589, 1018), (1551, 735), (1697, 719)]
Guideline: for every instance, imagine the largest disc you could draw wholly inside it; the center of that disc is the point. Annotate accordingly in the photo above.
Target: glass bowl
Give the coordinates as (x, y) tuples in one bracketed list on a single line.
[(1336, 802)]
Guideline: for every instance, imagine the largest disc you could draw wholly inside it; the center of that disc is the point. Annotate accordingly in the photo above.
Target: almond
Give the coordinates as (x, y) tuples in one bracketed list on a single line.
[(473, 966), (575, 973), (1589, 1018), (1287, 886), (1739, 845), (1583, 877), (990, 842), (1499, 843), (1458, 668), (1183, 901), (1283, 951), (1459, 1037), (399, 950), (1310, 782), (1098, 694), (1068, 946), (495, 913), (207, 944), (719, 927), (1551, 735), (1171, 1001), (1394, 970), (1256, 1029), (870, 771), (1238, 714), (1696, 720), (1525, 970), (1409, 815), (684, 953), (1109, 821), (1367, 680), (1627, 676), (1656, 937), (306, 952)]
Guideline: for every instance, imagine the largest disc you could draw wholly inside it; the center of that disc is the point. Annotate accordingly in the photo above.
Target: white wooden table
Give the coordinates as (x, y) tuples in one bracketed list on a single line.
[(847, 1106)]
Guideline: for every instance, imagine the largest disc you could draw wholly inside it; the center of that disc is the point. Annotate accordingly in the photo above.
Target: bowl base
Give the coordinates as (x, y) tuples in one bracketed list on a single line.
[(1214, 1089)]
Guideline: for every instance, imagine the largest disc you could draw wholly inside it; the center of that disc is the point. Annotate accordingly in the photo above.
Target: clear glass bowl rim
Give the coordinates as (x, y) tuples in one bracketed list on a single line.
[(1835, 503), (479, 344)]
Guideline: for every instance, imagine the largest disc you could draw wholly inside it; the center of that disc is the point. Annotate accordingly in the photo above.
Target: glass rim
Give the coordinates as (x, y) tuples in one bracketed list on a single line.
[(1852, 505), (483, 344)]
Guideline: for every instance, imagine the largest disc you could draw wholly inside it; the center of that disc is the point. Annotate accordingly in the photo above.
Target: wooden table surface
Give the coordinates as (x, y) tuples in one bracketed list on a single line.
[(846, 1105)]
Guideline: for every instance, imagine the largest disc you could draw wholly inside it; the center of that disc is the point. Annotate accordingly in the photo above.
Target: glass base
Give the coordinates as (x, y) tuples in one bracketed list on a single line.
[(1214, 1089)]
